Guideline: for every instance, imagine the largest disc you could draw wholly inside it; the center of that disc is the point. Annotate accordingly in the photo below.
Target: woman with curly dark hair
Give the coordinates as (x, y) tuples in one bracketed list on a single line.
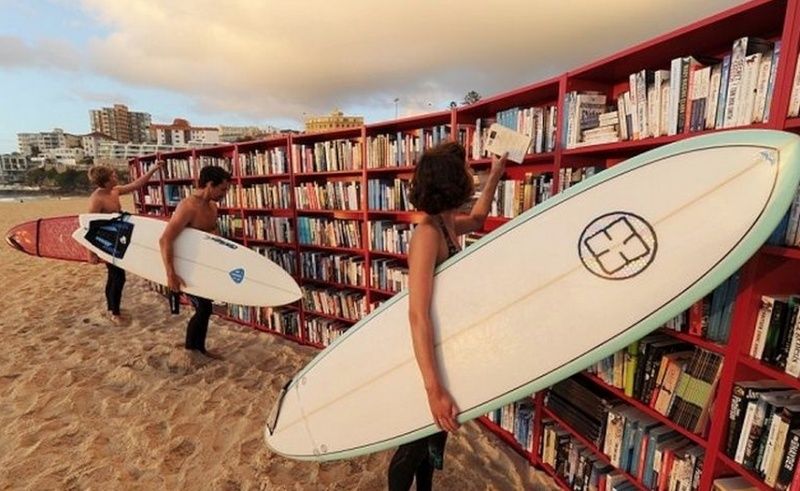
[(442, 183)]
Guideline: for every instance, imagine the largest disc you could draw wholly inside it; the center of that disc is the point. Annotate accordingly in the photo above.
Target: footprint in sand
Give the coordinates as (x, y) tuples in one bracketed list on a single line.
[(155, 432), (249, 449), (217, 373), (178, 454), (281, 472)]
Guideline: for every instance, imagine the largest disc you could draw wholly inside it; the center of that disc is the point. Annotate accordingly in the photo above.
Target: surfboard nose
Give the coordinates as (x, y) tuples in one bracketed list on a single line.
[(297, 293), (22, 237)]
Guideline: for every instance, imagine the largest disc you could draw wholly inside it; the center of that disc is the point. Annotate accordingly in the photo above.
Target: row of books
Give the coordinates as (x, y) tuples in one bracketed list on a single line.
[(776, 336), (658, 459), (266, 195), (578, 466), (322, 331), (174, 193), (512, 197), (695, 94), (224, 162), (153, 196), (671, 376), (537, 122), (280, 320), (230, 226), (344, 304), (230, 199), (794, 99), (707, 93), (177, 168), (263, 162), (146, 166), (388, 275), (272, 229), (582, 112), (710, 317), (568, 176), (657, 455), (327, 156), (330, 195), (317, 330), (788, 233), (403, 148), (388, 236), (517, 419), (328, 232), (388, 194), (764, 431), (333, 268), (286, 259)]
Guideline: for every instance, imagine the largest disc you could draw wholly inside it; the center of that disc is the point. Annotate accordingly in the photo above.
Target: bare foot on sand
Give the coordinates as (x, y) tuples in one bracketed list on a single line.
[(213, 355), (207, 354)]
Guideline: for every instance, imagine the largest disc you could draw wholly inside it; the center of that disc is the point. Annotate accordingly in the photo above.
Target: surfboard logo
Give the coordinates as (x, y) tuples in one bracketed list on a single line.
[(237, 275), (221, 241), (618, 245)]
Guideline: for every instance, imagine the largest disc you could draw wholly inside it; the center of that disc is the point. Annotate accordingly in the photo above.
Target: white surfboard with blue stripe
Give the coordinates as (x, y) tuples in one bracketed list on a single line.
[(212, 266)]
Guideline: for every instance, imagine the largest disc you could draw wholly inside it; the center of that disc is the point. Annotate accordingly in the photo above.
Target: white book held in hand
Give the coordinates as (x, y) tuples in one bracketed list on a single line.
[(501, 140)]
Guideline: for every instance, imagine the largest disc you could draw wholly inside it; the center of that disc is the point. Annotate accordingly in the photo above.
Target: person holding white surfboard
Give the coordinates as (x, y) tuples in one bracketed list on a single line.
[(105, 199), (442, 183), (198, 211)]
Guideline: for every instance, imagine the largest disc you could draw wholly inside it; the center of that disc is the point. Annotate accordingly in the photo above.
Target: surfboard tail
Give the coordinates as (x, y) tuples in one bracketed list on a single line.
[(275, 412)]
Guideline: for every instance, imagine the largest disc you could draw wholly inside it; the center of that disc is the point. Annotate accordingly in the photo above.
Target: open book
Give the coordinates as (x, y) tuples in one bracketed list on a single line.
[(500, 140)]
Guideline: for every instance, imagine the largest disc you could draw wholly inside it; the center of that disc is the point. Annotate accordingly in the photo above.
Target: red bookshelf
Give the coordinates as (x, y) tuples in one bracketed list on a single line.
[(697, 341), (646, 409), (591, 446), (374, 158), (506, 436), (317, 159), (554, 475), (534, 110)]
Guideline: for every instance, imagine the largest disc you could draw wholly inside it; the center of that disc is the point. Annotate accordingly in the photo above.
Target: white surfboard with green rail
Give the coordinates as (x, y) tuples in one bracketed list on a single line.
[(553, 291)]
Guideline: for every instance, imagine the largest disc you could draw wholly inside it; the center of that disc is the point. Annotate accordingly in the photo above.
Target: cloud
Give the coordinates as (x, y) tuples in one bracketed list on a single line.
[(96, 96), (45, 53), (278, 59)]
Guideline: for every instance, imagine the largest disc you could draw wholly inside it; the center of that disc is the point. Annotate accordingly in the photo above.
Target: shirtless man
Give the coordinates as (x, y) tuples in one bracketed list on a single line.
[(197, 211), (105, 199)]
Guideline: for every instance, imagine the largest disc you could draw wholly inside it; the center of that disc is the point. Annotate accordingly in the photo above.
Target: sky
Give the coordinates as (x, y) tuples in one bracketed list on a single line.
[(270, 62)]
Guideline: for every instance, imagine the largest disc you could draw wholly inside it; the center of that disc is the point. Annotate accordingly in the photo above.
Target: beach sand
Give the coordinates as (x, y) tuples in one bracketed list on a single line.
[(87, 405)]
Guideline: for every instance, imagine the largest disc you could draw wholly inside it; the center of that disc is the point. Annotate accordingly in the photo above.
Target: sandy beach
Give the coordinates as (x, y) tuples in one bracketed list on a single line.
[(89, 405)]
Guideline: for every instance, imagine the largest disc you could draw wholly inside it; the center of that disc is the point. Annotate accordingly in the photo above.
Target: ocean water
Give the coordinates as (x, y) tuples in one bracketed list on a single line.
[(23, 197)]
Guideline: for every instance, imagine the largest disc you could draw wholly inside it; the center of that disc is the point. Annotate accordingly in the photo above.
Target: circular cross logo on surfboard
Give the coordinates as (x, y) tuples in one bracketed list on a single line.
[(618, 245)]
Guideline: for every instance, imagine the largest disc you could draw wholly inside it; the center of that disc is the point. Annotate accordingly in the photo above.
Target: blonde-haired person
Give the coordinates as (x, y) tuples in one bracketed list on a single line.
[(105, 199)]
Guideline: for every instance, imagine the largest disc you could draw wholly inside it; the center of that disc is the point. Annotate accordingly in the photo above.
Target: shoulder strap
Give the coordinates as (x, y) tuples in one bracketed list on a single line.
[(452, 248)]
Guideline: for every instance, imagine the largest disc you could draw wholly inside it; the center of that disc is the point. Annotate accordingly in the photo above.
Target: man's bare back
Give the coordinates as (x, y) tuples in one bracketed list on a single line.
[(105, 201), (202, 213)]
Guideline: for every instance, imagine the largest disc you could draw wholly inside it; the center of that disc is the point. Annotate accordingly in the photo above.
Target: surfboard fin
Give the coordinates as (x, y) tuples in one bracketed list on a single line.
[(272, 419), (123, 215), (13, 243)]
